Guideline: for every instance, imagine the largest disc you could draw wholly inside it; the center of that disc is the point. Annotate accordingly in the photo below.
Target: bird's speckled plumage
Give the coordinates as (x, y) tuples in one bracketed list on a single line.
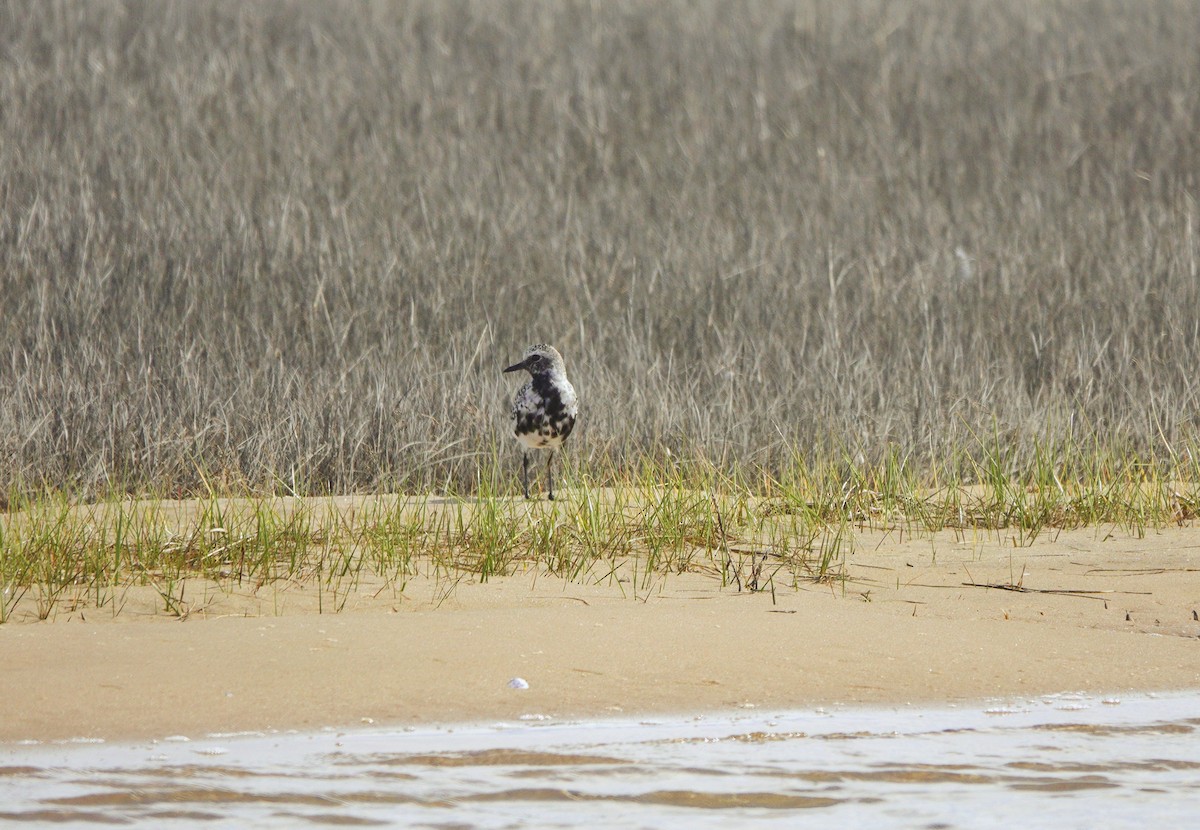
[(545, 408)]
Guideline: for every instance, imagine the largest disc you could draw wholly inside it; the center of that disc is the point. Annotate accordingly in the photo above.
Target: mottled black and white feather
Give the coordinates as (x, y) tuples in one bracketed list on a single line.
[(545, 408)]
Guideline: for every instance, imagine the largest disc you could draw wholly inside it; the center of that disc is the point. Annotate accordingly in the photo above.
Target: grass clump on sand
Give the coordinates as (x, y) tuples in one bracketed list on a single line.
[(57, 556)]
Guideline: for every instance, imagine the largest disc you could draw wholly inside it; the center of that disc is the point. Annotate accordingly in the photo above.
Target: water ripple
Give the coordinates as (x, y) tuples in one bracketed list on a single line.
[(1123, 764)]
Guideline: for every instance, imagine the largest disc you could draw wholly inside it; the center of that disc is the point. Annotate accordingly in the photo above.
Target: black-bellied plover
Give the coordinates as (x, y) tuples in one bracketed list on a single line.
[(544, 409)]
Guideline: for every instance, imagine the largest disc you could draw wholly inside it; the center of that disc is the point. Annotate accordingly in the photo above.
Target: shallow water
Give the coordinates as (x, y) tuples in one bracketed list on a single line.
[(1058, 761)]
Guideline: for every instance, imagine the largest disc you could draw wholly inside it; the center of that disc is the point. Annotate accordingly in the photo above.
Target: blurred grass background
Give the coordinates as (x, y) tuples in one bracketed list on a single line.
[(289, 245)]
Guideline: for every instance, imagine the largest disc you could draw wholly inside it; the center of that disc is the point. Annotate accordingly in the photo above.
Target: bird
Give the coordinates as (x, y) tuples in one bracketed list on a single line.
[(544, 409)]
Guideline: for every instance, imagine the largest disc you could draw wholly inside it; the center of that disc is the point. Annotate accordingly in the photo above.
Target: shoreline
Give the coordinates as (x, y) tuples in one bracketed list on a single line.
[(1092, 611)]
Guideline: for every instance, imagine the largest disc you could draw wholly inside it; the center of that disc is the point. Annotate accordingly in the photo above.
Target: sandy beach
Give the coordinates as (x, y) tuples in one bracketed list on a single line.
[(1098, 610)]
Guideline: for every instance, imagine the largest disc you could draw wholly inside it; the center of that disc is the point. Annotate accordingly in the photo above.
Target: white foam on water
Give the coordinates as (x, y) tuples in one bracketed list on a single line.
[(1051, 761)]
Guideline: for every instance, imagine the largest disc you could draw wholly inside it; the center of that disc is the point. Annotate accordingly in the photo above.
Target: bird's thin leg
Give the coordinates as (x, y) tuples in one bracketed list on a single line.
[(525, 472), (550, 476)]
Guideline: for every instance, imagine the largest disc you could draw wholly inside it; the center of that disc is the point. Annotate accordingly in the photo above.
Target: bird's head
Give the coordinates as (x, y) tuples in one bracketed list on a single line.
[(539, 359)]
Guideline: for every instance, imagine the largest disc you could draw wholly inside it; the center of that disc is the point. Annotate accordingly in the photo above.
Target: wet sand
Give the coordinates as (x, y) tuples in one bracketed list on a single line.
[(1100, 611)]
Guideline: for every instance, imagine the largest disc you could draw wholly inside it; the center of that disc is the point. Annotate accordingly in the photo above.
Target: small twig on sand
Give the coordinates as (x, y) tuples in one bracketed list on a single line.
[(1085, 594)]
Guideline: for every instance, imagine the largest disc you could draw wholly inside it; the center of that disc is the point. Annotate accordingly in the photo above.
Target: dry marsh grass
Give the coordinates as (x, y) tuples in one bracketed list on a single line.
[(288, 245), (812, 264)]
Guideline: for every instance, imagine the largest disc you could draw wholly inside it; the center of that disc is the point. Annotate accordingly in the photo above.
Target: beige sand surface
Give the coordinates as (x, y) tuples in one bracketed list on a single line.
[(903, 627)]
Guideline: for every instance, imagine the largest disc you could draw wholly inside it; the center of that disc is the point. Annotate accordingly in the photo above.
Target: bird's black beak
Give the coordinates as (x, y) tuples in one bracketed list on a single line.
[(516, 367)]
